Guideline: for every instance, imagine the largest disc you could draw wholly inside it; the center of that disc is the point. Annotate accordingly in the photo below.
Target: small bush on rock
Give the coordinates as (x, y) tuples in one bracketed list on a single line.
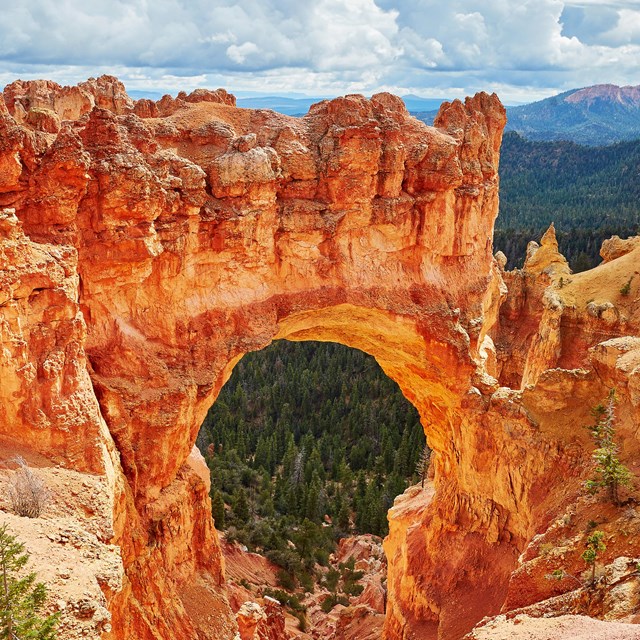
[(27, 492)]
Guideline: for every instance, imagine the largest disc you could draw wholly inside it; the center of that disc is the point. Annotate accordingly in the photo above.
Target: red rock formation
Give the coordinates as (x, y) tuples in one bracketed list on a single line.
[(368, 556), (257, 622), (157, 250), (358, 623), (243, 566), (628, 95)]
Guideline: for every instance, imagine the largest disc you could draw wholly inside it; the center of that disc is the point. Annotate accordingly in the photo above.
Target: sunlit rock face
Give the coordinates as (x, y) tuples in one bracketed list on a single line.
[(147, 246)]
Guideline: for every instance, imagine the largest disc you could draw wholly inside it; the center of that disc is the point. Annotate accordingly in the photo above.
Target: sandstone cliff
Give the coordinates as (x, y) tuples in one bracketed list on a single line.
[(147, 246)]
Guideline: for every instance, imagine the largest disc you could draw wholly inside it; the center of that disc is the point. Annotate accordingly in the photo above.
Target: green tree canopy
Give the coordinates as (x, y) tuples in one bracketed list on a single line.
[(21, 597)]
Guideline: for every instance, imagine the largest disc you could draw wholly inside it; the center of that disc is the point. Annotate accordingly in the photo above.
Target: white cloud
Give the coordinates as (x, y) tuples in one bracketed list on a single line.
[(626, 31), (430, 47), (239, 53)]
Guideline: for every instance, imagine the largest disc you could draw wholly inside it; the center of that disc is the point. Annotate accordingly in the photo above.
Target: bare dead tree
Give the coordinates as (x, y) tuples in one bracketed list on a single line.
[(422, 468), (28, 493)]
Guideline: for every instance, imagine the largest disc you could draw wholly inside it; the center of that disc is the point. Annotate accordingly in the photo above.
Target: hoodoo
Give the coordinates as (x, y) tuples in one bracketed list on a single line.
[(146, 246)]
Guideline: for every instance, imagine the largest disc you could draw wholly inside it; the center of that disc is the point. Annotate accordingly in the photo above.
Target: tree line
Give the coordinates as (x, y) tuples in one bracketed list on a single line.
[(307, 443)]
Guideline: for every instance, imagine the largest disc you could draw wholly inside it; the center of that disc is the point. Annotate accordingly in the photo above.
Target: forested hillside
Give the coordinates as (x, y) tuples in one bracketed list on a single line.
[(589, 193), (308, 442)]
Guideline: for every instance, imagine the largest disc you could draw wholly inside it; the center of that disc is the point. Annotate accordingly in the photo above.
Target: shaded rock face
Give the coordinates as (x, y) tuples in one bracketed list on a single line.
[(146, 247)]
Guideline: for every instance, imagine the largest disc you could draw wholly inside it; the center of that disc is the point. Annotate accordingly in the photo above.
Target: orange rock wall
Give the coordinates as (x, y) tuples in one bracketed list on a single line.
[(162, 241)]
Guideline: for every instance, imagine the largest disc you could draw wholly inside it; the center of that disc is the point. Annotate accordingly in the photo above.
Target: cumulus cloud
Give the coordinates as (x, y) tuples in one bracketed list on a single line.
[(523, 48), (588, 23), (626, 31)]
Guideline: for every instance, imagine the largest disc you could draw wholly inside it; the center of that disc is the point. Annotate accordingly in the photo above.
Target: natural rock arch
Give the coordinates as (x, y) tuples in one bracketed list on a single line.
[(165, 240)]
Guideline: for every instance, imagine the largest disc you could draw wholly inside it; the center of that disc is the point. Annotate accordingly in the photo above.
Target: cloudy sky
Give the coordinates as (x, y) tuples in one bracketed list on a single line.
[(522, 49)]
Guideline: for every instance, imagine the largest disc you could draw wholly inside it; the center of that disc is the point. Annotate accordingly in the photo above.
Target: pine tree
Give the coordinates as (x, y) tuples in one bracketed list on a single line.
[(314, 465), (594, 546), (21, 598), (241, 446), (609, 472), (402, 465), (290, 455), (263, 454), (314, 506), (217, 510), (343, 515), (241, 506), (387, 451)]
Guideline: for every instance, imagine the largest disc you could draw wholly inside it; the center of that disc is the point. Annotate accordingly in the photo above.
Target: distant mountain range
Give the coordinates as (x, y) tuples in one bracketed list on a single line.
[(594, 116), (598, 115), (281, 104)]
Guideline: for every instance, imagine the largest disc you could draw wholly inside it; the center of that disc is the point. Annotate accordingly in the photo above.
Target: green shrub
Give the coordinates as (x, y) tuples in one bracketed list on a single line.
[(331, 601), (625, 290), (302, 621), (286, 580), (21, 598), (594, 546), (331, 580), (289, 600), (353, 588), (307, 581)]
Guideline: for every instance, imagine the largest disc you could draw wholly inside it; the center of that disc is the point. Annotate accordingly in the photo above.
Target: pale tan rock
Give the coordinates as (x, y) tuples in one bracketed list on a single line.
[(615, 247), (374, 594), (562, 628), (249, 617), (265, 622), (358, 623), (366, 549), (546, 257), (273, 626)]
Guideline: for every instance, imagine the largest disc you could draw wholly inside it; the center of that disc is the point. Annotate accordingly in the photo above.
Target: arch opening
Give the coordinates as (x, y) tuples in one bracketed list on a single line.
[(309, 444)]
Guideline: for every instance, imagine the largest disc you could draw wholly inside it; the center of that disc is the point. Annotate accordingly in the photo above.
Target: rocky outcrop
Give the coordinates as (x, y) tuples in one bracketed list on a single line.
[(399, 546), (261, 623), (43, 105), (146, 247), (69, 545), (552, 317), (250, 576), (616, 247), (241, 566), (358, 623)]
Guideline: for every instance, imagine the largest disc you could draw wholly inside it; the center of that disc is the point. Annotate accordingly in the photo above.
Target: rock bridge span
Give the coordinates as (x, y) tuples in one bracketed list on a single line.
[(153, 244)]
